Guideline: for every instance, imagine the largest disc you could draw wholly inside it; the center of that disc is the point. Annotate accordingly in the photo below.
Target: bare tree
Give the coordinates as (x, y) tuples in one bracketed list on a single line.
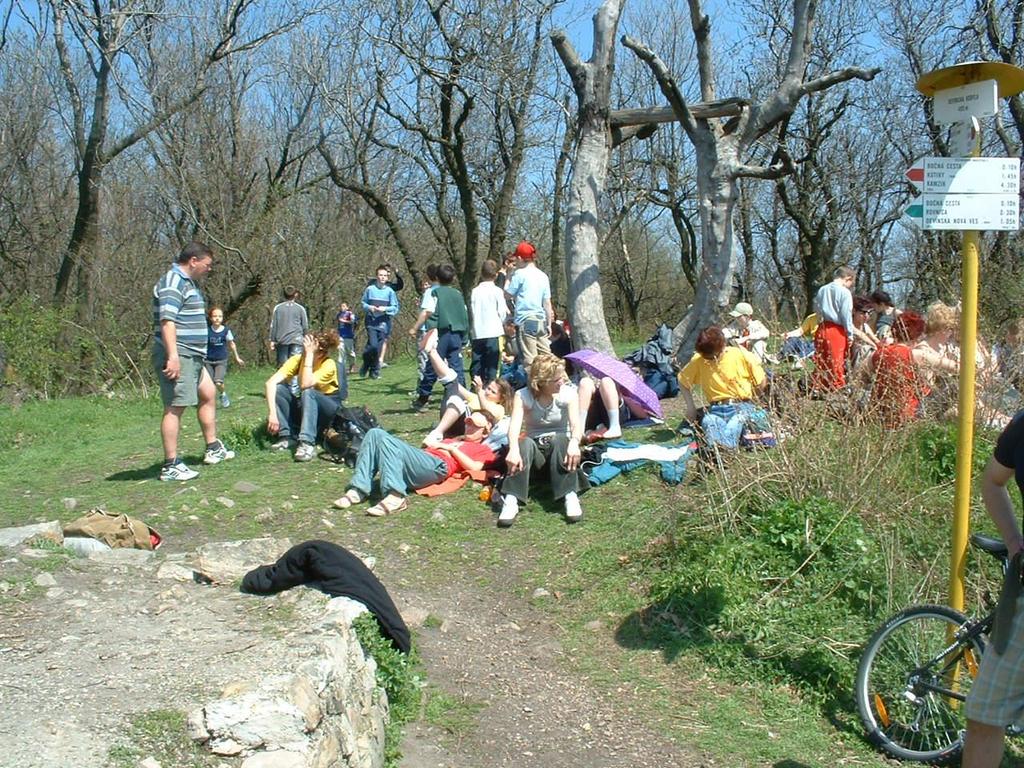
[(592, 83), (124, 56), (723, 148)]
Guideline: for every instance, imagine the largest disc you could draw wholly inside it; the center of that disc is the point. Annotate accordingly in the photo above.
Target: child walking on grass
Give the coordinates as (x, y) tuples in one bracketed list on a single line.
[(219, 340)]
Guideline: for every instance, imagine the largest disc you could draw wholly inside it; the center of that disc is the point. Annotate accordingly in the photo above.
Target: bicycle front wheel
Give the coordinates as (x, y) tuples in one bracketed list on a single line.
[(912, 681)]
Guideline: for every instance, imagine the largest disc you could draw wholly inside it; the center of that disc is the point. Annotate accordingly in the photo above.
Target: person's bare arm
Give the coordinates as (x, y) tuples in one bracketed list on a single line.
[(169, 334), (513, 460), (270, 389), (572, 453), (691, 407), (306, 378), (996, 496)]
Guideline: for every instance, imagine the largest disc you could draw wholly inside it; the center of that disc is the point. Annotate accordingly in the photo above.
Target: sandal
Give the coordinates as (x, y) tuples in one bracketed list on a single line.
[(385, 507), (350, 499)]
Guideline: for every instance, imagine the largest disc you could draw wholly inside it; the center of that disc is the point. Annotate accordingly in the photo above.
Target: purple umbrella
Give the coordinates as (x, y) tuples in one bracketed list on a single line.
[(630, 385)]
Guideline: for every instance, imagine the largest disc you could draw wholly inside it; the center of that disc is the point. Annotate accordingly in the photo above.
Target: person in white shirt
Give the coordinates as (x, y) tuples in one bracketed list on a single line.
[(488, 311), (746, 332)]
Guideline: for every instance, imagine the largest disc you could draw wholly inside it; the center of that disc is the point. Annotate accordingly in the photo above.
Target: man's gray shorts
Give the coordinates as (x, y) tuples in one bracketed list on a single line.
[(185, 390)]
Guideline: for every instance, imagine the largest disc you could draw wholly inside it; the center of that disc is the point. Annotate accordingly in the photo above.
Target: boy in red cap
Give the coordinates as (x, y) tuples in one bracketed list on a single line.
[(530, 289)]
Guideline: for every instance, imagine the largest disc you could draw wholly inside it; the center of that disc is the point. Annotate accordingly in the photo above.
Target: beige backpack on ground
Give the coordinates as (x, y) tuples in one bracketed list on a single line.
[(114, 530)]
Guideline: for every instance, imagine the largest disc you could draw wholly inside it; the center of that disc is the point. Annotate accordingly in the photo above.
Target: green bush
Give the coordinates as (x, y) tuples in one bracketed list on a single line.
[(795, 588), (48, 354), (399, 675), (936, 446)]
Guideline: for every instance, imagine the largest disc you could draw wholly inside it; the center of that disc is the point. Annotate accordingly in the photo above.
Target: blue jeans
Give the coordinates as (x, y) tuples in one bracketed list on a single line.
[(485, 359), (798, 348), (449, 347), (284, 351), (309, 414), (375, 337), (402, 468), (723, 424)]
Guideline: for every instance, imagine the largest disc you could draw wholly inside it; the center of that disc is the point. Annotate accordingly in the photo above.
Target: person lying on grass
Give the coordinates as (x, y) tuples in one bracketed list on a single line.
[(322, 389), (494, 398), (547, 414), (404, 468), (603, 416)]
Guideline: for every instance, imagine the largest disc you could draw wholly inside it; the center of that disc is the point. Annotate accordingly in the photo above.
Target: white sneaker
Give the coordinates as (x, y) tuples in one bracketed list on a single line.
[(225, 401), (177, 471), (509, 510), (284, 444), (305, 452), (573, 510), (218, 454)]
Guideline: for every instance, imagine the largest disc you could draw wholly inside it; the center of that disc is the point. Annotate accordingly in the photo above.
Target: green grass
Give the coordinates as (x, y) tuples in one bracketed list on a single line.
[(159, 734), (616, 567)]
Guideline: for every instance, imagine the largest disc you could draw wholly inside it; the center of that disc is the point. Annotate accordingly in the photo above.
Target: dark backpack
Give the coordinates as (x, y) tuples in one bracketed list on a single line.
[(344, 436)]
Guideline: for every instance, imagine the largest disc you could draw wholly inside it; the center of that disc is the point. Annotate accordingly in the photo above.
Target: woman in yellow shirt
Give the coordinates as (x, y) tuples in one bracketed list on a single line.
[(729, 378), (322, 389)]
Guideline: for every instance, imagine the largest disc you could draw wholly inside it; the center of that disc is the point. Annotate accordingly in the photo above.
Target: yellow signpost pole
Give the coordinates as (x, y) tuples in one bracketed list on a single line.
[(1010, 81)]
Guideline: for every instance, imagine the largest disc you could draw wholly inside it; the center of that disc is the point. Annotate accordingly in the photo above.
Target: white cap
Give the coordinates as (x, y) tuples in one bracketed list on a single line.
[(742, 309)]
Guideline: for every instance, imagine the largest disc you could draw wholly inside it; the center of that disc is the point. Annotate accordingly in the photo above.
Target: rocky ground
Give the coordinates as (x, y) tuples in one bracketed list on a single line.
[(85, 643)]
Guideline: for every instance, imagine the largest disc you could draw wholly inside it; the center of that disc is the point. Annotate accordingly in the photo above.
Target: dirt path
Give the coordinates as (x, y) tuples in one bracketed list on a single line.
[(502, 656), (95, 643)]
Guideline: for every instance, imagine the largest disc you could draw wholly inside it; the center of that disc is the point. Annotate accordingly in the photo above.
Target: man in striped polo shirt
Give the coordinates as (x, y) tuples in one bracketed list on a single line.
[(179, 314)]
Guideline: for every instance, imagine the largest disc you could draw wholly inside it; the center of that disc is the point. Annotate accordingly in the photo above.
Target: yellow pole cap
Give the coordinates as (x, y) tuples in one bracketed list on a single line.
[(1010, 79)]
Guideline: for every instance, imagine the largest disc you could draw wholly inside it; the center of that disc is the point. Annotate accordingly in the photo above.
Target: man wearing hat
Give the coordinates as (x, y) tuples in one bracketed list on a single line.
[(744, 331), (530, 290)]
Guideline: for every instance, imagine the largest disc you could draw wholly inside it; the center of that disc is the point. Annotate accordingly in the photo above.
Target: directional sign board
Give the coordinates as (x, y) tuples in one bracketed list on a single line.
[(981, 212), (952, 105), (966, 175)]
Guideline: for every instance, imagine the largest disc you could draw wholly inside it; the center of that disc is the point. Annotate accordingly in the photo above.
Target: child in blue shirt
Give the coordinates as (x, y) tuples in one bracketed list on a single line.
[(346, 321), (218, 341)]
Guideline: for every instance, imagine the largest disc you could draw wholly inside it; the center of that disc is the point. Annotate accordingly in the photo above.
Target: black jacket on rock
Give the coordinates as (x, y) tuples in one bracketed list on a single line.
[(337, 572)]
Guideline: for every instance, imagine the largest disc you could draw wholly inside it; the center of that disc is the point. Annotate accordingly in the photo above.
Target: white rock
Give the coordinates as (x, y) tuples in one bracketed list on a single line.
[(226, 747), (69, 503), (224, 501), (149, 762), (175, 571), (341, 610), (244, 486), (437, 517), (13, 537), (279, 758), (83, 545), (231, 560), (195, 726), (540, 592), (122, 556), (45, 580), (415, 617)]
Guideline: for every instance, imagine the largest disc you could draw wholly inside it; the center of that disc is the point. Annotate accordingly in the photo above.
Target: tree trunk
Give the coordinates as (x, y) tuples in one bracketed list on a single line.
[(556, 210), (717, 190), (592, 84)]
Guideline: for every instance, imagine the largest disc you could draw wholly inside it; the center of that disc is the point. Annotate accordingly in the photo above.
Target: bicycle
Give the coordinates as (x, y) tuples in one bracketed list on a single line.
[(913, 679)]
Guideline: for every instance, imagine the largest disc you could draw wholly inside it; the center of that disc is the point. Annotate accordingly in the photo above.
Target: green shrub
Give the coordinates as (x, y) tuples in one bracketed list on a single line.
[(795, 588), (399, 675), (936, 447), (48, 354)]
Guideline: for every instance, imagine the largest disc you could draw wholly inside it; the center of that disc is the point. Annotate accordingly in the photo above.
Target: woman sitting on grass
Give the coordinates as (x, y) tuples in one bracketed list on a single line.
[(729, 379), (894, 370), (548, 412), (403, 468), (495, 399), (322, 389)]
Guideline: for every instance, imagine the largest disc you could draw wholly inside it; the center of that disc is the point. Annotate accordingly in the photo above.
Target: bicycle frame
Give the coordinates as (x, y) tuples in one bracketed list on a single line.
[(972, 630)]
